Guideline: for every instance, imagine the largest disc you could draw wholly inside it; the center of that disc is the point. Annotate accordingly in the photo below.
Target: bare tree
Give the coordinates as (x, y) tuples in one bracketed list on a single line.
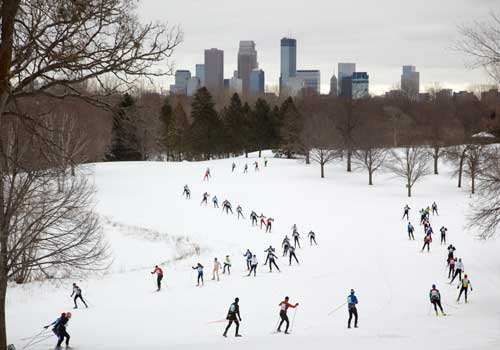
[(456, 155), (409, 164), (370, 158), (481, 41), (323, 140), (486, 207), (473, 160)]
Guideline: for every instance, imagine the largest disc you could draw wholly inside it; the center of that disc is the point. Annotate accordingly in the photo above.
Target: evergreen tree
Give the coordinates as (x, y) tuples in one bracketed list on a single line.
[(248, 143), (262, 125), (206, 126), (125, 142), (291, 125), (178, 132), (234, 128), (165, 122)]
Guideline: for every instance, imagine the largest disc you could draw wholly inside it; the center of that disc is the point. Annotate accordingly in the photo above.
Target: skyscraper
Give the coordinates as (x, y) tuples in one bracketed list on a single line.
[(214, 70), (360, 84), (200, 73), (181, 80), (288, 62), (410, 82), (333, 85), (247, 61), (345, 70), (257, 82), (311, 80)]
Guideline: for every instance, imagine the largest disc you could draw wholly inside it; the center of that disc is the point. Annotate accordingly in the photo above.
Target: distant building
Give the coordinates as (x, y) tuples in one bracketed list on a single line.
[(200, 73), (226, 84), (247, 61), (410, 82), (345, 87), (393, 94), (360, 85), (214, 70), (177, 90), (294, 86), (257, 82), (333, 85), (311, 80), (424, 97), (235, 84), (288, 62), (193, 85), (444, 94), (345, 70), (181, 80)]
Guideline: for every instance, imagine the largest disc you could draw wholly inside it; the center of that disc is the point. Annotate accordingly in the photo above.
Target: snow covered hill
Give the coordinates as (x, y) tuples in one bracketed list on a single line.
[(362, 245)]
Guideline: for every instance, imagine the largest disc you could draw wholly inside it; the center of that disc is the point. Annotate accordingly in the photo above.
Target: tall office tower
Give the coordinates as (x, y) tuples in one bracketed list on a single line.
[(345, 70), (214, 71), (247, 61), (333, 85), (288, 62), (410, 82), (200, 73), (181, 80), (257, 82), (345, 87), (360, 82), (311, 80), (193, 85)]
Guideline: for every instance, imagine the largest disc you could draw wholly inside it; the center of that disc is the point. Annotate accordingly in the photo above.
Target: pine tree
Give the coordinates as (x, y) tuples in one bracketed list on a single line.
[(125, 142), (234, 128), (262, 126), (165, 122), (178, 132), (291, 125), (206, 127)]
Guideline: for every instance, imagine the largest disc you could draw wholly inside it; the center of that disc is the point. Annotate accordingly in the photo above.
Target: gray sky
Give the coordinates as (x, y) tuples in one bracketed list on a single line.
[(379, 35)]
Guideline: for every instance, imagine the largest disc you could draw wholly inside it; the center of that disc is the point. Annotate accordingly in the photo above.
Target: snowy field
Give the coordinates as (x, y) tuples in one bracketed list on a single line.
[(362, 241)]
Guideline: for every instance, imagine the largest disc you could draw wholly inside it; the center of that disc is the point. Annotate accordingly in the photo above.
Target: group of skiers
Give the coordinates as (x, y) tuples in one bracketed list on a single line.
[(455, 265)]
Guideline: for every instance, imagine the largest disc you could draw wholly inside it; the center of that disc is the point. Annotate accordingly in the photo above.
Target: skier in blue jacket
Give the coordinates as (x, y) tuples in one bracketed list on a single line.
[(352, 301), (411, 229)]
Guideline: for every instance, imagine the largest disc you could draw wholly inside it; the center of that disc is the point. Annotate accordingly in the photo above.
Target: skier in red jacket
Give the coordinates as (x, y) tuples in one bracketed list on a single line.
[(284, 305), (159, 276), (427, 241)]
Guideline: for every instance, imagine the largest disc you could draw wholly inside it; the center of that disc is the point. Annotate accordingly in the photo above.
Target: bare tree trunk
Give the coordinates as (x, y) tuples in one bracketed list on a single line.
[(473, 180), (3, 325), (246, 154), (460, 169), (349, 156), (370, 176), (260, 152), (308, 158), (322, 170), (436, 158), (409, 188)]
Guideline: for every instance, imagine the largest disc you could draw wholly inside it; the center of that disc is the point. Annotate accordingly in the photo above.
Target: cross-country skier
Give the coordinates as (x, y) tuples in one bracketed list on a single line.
[(465, 284), (253, 217), (265, 162), (285, 245), (186, 192), (423, 216), (226, 205), (215, 272), (205, 198), (233, 166), (262, 220), (215, 201), (296, 237), (232, 316), (428, 230), (435, 209), (199, 268), (207, 175), (227, 264), (159, 276), (77, 292), (239, 210), (272, 260), (59, 329), (435, 298), (451, 264), (248, 255), (294, 228), (406, 212), (443, 231), (411, 229), (245, 169), (284, 305), (312, 237), (291, 253), (451, 250), (269, 224), (352, 301), (459, 268), (253, 263), (427, 242), (256, 165), (270, 249), (427, 212)]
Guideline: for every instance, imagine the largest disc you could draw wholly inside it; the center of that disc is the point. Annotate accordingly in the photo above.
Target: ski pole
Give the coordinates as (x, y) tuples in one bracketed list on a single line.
[(293, 319), (219, 321), (36, 341), (336, 309), (34, 336)]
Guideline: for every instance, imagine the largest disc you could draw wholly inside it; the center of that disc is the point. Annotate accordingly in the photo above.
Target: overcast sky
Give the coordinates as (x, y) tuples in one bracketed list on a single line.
[(378, 35)]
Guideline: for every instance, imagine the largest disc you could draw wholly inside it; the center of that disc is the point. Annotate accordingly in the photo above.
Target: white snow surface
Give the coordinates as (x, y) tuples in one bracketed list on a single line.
[(362, 241)]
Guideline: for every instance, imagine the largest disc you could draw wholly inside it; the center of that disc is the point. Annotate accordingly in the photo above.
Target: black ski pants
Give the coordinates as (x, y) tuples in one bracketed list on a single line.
[(254, 269), (249, 265), (437, 303), (296, 242), (294, 256), (158, 281), (268, 228), (353, 312), (410, 235), (254, 221), (228, 268), (405, 214), (271, 263), (311, 240), (451, 271), (462, 290), (443, 238), (62, 334), (428, 246), (240, 213), (79, 296), (457, 272), (284, 318), (200, 277), (236, 322), (285, 250)]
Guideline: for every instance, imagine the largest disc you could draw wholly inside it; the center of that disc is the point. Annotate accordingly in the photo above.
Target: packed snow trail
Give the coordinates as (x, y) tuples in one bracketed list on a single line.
[(363, 244)]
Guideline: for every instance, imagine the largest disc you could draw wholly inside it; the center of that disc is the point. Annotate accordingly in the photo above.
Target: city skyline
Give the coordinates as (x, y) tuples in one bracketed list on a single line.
[(380, 48)]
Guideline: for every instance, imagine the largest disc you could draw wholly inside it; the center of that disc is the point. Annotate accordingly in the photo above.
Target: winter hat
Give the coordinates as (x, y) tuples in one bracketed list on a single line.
[(433, 286), (352, 291)]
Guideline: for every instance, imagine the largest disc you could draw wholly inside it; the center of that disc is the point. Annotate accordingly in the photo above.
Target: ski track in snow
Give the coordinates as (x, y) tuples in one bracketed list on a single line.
[(362, 245)]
